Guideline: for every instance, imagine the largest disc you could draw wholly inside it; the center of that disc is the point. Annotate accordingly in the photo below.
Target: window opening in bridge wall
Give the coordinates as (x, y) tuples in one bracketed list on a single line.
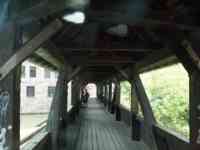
[(113, 90), (125, 96), (168, 91), (104, 90), (69, 96), (140, 113), (36, 97)]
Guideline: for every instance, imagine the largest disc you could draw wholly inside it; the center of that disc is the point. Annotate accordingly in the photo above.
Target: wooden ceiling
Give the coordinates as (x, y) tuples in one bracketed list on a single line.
[(154, 27)]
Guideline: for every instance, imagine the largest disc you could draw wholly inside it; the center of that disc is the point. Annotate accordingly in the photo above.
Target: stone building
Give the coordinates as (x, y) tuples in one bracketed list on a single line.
[(37, 88)]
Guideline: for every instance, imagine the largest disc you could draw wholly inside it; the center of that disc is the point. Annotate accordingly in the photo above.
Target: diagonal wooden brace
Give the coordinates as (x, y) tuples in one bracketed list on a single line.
[(31, 46)]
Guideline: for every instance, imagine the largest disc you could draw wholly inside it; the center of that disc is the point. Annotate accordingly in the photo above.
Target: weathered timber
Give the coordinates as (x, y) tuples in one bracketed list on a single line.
[(134, 109), (117, 102), (156, 60), (191, 52), (149, 119), (10, 93), (194, 110), (96, 129), (142, 97), (105, 17), (58, 111), (73, 73), (123, 73), (26, 50), (43, 53)]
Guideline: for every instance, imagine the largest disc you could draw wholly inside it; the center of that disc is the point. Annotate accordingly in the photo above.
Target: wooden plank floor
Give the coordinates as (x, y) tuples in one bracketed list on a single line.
[(96, 129)]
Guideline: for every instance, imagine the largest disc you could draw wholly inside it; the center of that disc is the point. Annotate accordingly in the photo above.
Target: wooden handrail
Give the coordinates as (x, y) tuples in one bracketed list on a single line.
[(32, 135)]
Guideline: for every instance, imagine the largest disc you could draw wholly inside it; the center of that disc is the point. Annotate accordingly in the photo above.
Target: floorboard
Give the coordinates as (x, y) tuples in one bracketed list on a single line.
[(96, 129)]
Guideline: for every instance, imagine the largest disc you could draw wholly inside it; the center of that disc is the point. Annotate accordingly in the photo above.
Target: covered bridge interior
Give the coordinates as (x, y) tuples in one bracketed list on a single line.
[(112, 41)]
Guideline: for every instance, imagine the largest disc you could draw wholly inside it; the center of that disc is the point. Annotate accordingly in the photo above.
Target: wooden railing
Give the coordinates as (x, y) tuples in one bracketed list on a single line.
[(40, 126), (165, 138)]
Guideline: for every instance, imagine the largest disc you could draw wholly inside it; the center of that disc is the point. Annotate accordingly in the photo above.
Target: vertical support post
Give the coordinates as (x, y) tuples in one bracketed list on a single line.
[(188, 55), (149, 119), (102, 93), (54, 114), (106, 94), (118, 92), (76, 97), (195, 110), (58, 113), (10, 111), (98, 92), (135, 124), (75, 93), (10, 92), (144, 101)]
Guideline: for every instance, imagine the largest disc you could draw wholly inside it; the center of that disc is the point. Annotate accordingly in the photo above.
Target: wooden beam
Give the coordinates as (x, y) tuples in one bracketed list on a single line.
[(150, 22), (58, 112), (102, 61), (117, 101), (26, 50), (123, 73), (10, 94), (139, 50), (44, 54), (134, 98), (190, 59), (194, 110), (74, 73), (135, 125), (149, 119), (191, 52), (156, 60), (144, 101), (118, 18)]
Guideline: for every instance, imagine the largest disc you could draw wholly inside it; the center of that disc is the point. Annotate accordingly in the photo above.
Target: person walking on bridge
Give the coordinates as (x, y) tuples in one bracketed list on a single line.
[(87, 95)]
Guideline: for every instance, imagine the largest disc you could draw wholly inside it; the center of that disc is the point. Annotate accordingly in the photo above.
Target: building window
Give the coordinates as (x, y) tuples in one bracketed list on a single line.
[(47, 73), (51, 91), (23, 71), (30, 91), (32, 71)]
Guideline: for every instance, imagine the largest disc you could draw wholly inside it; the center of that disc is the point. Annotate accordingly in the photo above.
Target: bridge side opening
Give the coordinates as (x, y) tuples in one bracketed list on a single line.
[(168, 92), (154, 103), (37, 90), (125, 98), (117, 42)]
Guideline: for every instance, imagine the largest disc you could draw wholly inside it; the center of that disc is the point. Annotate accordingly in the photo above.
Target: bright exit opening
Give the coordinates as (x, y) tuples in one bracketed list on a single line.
[(92, 90)]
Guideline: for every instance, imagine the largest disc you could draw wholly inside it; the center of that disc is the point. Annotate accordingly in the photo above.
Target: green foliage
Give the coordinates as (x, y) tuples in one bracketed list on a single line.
[(168, 91), (125, 94)]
